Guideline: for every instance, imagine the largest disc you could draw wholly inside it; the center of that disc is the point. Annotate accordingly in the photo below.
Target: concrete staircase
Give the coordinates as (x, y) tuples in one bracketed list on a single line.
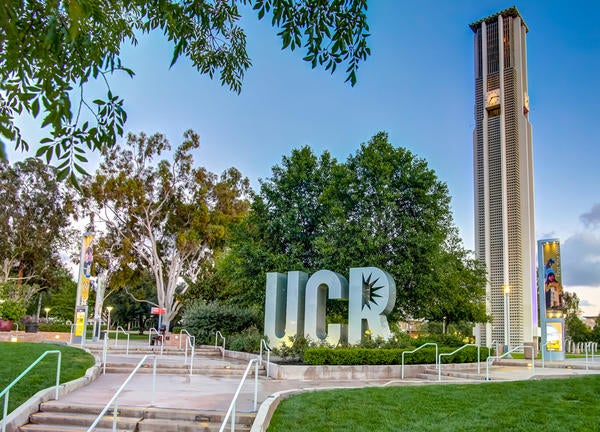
[(55, 416), (212, 370), (430, 373)]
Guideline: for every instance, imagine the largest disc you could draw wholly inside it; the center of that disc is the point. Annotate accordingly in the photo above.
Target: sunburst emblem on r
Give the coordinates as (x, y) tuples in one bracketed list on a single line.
[(369, 291)]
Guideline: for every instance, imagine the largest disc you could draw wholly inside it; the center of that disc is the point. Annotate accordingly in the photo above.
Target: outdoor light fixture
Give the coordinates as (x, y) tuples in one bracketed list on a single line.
[(46, 309), (108, 308)]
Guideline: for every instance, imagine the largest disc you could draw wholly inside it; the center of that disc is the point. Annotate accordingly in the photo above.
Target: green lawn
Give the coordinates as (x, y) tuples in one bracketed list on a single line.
[(546, 405), (16, 357)]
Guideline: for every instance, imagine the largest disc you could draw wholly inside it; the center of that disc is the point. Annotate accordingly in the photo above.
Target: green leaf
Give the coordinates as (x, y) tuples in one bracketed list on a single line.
[(62, 174), (35, 107)]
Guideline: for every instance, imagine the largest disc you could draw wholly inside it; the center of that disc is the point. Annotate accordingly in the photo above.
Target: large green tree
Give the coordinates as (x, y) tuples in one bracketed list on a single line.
[(49, 50), (34, 227), (383, 207), (159, 213)]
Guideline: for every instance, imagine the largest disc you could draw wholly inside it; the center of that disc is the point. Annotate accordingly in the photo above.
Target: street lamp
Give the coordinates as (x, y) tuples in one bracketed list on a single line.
[(506, 289), (46, 309), (108, 308)]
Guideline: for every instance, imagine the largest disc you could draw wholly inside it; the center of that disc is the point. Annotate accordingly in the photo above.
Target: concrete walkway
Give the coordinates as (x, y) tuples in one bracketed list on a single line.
[(206, 392)]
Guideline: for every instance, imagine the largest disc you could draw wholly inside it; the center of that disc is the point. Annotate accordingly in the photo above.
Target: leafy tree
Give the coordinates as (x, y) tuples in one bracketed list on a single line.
[(163, 216), (49, 50), (280, 230), (575, 329), (34, 226), (382, 207), (390, 210), (61, 296), (595, 334)]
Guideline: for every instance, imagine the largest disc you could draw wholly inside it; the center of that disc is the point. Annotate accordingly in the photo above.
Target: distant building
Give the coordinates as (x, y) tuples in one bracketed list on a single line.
[(503, 176)]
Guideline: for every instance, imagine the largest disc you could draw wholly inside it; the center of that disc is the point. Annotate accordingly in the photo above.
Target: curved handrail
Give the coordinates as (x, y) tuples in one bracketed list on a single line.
[(159, 337), (117, 338), (491, 359), (115, 398), (216, 339), (104, 352), (191, 342), (417, 349), (6, 391), (231, 410), (71, 335), (454, 352), (590, 346), (495, 343), (268, 350)]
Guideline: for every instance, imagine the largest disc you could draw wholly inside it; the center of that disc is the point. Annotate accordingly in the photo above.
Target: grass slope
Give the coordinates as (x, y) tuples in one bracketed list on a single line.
[(16, 357), (546, 405)]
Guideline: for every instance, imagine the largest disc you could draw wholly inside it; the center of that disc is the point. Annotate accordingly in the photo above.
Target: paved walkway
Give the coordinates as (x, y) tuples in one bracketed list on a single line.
[(215, 393)]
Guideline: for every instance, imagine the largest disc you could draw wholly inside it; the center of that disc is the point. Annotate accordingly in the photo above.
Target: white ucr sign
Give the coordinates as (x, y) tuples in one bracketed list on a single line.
[(296, 305)]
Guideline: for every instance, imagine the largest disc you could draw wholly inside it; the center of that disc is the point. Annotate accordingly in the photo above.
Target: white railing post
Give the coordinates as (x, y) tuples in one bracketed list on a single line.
[(231, 410), (217, 334), (454, 352), (6, 391), (263, 343), (417, 349), (114, 400)]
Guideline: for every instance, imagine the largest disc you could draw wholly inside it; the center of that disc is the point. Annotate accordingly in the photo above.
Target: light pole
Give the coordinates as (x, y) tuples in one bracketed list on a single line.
[(108, 308), (506, 289), (46, 309)]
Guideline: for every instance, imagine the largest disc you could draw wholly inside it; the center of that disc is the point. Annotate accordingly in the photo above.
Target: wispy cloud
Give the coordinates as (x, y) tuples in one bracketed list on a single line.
[(581, 259), (592, 218)]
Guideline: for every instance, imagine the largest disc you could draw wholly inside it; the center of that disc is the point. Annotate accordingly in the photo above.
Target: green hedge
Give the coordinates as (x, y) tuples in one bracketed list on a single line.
[(382, 356), (204, 320)]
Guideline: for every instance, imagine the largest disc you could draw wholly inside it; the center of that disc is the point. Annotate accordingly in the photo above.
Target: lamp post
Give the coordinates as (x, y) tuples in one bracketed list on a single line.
[(46, 309), (506, 289), (108, 308)]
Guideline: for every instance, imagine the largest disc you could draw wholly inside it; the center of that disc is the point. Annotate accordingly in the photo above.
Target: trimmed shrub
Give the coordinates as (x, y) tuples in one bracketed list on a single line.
[(247, 341), (204, 320), (382, 356)]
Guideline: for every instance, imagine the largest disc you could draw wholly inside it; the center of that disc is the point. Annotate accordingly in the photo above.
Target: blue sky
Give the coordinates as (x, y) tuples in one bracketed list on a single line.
[(418, 86)]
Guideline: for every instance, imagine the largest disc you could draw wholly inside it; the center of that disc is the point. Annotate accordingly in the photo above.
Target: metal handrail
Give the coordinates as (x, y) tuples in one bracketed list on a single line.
[(417, 349), (117, 338), (454, 352), (104, 351), (268, 350), (6, 391), (160, 337), (495, 343), (217, 334), (491, 359), (231, 410), (115, 398), (181, 336), (593, 346), (191, 342)]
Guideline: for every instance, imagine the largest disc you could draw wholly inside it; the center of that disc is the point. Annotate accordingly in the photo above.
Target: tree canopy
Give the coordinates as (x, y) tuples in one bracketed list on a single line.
[(50, 49), (383, 207), (34, 226), (157, 212)]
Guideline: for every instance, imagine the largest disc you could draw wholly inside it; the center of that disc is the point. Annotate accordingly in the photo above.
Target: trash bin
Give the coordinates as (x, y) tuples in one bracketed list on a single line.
[(102, 335)]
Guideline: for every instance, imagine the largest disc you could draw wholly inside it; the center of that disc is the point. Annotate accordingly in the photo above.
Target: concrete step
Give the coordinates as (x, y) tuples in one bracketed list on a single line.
[(83, 421), (56, 416), (450, 375), (226, 370), (167, 350)]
